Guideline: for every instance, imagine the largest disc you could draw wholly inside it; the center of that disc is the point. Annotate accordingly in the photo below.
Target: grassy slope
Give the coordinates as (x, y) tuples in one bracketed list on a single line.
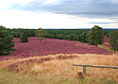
[(59, 70), (7, 77)]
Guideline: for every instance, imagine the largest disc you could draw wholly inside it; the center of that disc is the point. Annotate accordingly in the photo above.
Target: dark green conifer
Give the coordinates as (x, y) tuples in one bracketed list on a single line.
[(40, 33), (6, 43), (23, 37)]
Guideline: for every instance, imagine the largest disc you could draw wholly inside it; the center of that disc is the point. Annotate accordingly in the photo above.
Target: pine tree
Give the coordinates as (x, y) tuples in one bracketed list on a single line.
[(114, 40), (23, 37), (6, 43), (40, 33), (95, 36)]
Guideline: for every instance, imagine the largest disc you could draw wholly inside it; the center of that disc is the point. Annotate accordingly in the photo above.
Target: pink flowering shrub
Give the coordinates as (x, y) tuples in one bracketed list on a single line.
[(51, 46)]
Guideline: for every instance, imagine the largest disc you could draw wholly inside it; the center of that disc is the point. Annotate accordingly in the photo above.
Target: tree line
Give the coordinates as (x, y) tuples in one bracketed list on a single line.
[(94, 36)]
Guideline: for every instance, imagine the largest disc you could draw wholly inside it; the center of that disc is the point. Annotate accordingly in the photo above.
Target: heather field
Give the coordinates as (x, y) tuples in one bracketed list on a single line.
[(51, 62), (59, 42), (53, 46)]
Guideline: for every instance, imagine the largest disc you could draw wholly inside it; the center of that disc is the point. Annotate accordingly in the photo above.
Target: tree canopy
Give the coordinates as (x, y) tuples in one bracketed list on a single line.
[(114, 40), (95, 36), (6, 43)]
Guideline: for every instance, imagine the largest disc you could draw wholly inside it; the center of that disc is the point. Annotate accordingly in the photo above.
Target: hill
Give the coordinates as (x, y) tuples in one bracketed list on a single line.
[(58, 69), (53, 46)]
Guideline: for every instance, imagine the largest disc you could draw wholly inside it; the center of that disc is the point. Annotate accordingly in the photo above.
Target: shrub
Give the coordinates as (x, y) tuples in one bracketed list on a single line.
[(23, 37), (6, 43), (40, 33), (114, 40)]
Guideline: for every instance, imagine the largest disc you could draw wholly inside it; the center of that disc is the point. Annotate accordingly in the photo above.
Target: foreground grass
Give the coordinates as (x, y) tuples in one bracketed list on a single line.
[(58, 69), (7, 77)]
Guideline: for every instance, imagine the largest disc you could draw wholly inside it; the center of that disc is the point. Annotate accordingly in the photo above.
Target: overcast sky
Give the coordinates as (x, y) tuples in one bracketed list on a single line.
[(59, 13)]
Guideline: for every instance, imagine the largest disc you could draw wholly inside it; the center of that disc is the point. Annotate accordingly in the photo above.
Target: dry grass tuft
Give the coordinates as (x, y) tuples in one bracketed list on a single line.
[(106, 47), (61, 66)]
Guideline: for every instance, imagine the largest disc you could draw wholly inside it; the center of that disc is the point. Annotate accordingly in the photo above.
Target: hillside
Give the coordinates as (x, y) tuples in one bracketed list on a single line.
[(50, 62), (58, 69), (53, 46)]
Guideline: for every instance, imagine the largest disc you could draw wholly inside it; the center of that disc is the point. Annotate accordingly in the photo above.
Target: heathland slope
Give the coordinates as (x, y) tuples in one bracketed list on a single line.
[(51, 47), (58, 69)]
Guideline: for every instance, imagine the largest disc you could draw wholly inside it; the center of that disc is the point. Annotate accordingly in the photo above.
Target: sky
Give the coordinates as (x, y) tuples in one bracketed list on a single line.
[(59, 13)]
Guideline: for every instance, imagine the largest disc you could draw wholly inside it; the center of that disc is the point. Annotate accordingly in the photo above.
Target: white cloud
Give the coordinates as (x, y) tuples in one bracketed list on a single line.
[(8, 3), (12, 18), (27, 19), (47, 2), (114, 1)]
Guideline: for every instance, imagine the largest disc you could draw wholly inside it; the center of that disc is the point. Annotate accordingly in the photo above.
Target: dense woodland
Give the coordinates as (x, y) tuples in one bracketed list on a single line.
[(66, 34)]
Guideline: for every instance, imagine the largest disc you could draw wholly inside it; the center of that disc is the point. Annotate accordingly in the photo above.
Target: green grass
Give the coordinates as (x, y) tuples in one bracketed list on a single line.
[(7, 77), (10, 77)]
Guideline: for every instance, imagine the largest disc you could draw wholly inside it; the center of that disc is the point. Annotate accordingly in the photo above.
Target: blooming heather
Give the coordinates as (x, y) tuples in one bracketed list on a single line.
[(51, 46)]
